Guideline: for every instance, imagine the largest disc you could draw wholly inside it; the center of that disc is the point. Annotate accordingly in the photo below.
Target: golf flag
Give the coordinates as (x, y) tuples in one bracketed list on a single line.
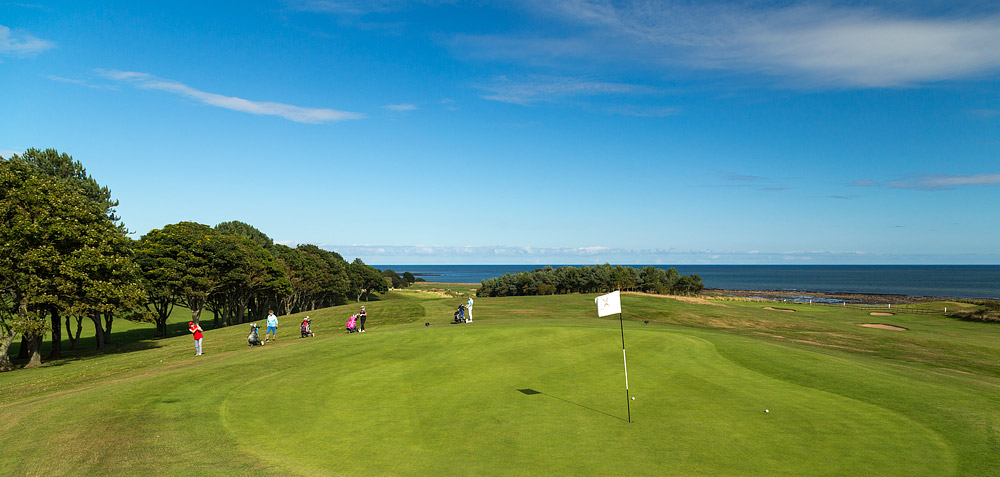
[(609, 304)]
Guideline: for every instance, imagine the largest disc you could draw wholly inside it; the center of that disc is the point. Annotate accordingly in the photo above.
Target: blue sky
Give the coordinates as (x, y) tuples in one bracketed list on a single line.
[(560, 132)]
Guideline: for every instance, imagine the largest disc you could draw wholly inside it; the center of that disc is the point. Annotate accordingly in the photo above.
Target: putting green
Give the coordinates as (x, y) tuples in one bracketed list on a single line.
[(448, 399)]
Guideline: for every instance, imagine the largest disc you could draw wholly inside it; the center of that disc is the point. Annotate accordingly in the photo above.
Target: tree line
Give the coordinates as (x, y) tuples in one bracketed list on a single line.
[(66, 257), (591, 279)]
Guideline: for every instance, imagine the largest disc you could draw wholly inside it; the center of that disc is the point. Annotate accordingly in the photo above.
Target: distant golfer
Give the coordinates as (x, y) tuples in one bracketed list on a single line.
[(468, 310), (195, 329), (362, 316), (272, 327)]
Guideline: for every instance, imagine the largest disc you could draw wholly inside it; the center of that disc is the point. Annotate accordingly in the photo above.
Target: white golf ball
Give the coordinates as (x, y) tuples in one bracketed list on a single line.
[(767, 410), (633, 398)]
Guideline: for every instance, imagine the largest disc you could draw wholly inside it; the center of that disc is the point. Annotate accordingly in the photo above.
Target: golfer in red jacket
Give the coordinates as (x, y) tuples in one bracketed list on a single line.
[(195, 329)]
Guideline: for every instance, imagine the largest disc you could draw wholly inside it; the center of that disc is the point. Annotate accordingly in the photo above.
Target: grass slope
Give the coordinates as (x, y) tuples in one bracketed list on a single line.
[(414, 400)]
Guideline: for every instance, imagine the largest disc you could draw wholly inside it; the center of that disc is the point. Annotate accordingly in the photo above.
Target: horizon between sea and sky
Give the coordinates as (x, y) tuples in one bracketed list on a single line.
[(523, 132)]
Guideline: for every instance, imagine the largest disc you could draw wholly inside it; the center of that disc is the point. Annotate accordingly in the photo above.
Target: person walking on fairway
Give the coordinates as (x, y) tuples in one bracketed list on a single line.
[(272, 327), (362, 316), (195, 329)]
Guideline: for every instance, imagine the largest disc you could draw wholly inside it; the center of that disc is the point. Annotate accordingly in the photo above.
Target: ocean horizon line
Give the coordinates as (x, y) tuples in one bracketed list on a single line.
[(955, 281)]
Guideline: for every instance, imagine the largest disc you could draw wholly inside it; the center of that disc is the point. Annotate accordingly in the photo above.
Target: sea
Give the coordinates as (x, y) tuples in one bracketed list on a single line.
[(958, 281)]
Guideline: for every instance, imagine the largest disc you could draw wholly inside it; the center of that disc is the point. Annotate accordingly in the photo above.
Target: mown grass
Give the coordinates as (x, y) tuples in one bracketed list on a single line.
[(410, 399)]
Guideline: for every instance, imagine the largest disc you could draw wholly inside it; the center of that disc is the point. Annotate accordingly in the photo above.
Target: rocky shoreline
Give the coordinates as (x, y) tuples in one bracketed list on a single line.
[(859, 298)]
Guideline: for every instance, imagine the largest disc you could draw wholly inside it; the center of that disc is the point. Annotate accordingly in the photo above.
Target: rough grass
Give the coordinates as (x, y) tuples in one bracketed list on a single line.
[(406, 399)]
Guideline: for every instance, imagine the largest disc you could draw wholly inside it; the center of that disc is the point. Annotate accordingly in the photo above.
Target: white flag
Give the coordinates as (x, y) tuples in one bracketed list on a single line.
[(609, 304)]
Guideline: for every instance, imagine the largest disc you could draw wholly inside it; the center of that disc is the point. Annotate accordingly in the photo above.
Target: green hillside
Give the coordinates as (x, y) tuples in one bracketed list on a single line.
[(534, 386)]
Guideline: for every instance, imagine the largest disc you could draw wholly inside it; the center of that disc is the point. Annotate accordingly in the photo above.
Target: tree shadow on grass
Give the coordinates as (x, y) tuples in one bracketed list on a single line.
[(530, 392), (70, 356), (135, 339)]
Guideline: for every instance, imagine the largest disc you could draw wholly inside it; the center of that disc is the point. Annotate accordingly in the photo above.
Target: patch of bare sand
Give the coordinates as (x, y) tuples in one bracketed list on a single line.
[(881, 313), (882, 326), (432, 292), (778, 309)]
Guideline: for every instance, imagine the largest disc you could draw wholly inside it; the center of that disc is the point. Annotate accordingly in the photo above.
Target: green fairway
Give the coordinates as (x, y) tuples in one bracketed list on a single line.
[(534, 386)]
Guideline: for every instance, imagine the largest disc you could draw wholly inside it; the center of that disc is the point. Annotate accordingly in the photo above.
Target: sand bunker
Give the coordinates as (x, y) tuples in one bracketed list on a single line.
[(881, 313), (882, 326), (777, 309)]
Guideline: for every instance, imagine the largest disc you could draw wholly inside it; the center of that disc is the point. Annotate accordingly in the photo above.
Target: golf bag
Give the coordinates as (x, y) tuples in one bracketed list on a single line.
[(306, 329), (254, 338), (460, 314), (352, 324)]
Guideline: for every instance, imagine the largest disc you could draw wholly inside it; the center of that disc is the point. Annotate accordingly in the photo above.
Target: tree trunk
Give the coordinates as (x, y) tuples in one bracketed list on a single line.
[(109, 317), (163, 309), (195, 315), (98, 331), (34, 352), (56, 352), (69, 333), (25, 349), (79, 329), (5, 341)]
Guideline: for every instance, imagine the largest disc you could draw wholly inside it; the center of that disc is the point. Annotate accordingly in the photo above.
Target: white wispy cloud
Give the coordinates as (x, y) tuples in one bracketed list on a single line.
[(7, 153), (811, 45), (79, 82), (291, 112), (497, 254), (935, 182), (400, 107), (864, 48), (20, 44), (548, 88)]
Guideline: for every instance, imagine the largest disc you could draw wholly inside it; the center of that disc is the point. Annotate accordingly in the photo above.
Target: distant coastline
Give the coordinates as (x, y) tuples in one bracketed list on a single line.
[(946, 281)]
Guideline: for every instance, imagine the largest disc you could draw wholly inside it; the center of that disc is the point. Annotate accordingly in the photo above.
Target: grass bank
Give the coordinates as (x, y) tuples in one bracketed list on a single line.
[(534, 386)]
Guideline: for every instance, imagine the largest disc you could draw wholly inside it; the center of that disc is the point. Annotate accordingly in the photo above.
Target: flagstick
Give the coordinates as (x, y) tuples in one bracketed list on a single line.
[(628, 406)]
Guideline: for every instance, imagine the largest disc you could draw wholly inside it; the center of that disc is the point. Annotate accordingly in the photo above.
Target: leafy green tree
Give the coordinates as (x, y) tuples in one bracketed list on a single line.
[(623, 278), (241, 271), (105, 287), (176, 268), (651, 279), (688, 285), (51, 239), (365, 280), (393, 278), (409, 277), (70, 255), (334, 281), (302, 272), (235, 227)]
